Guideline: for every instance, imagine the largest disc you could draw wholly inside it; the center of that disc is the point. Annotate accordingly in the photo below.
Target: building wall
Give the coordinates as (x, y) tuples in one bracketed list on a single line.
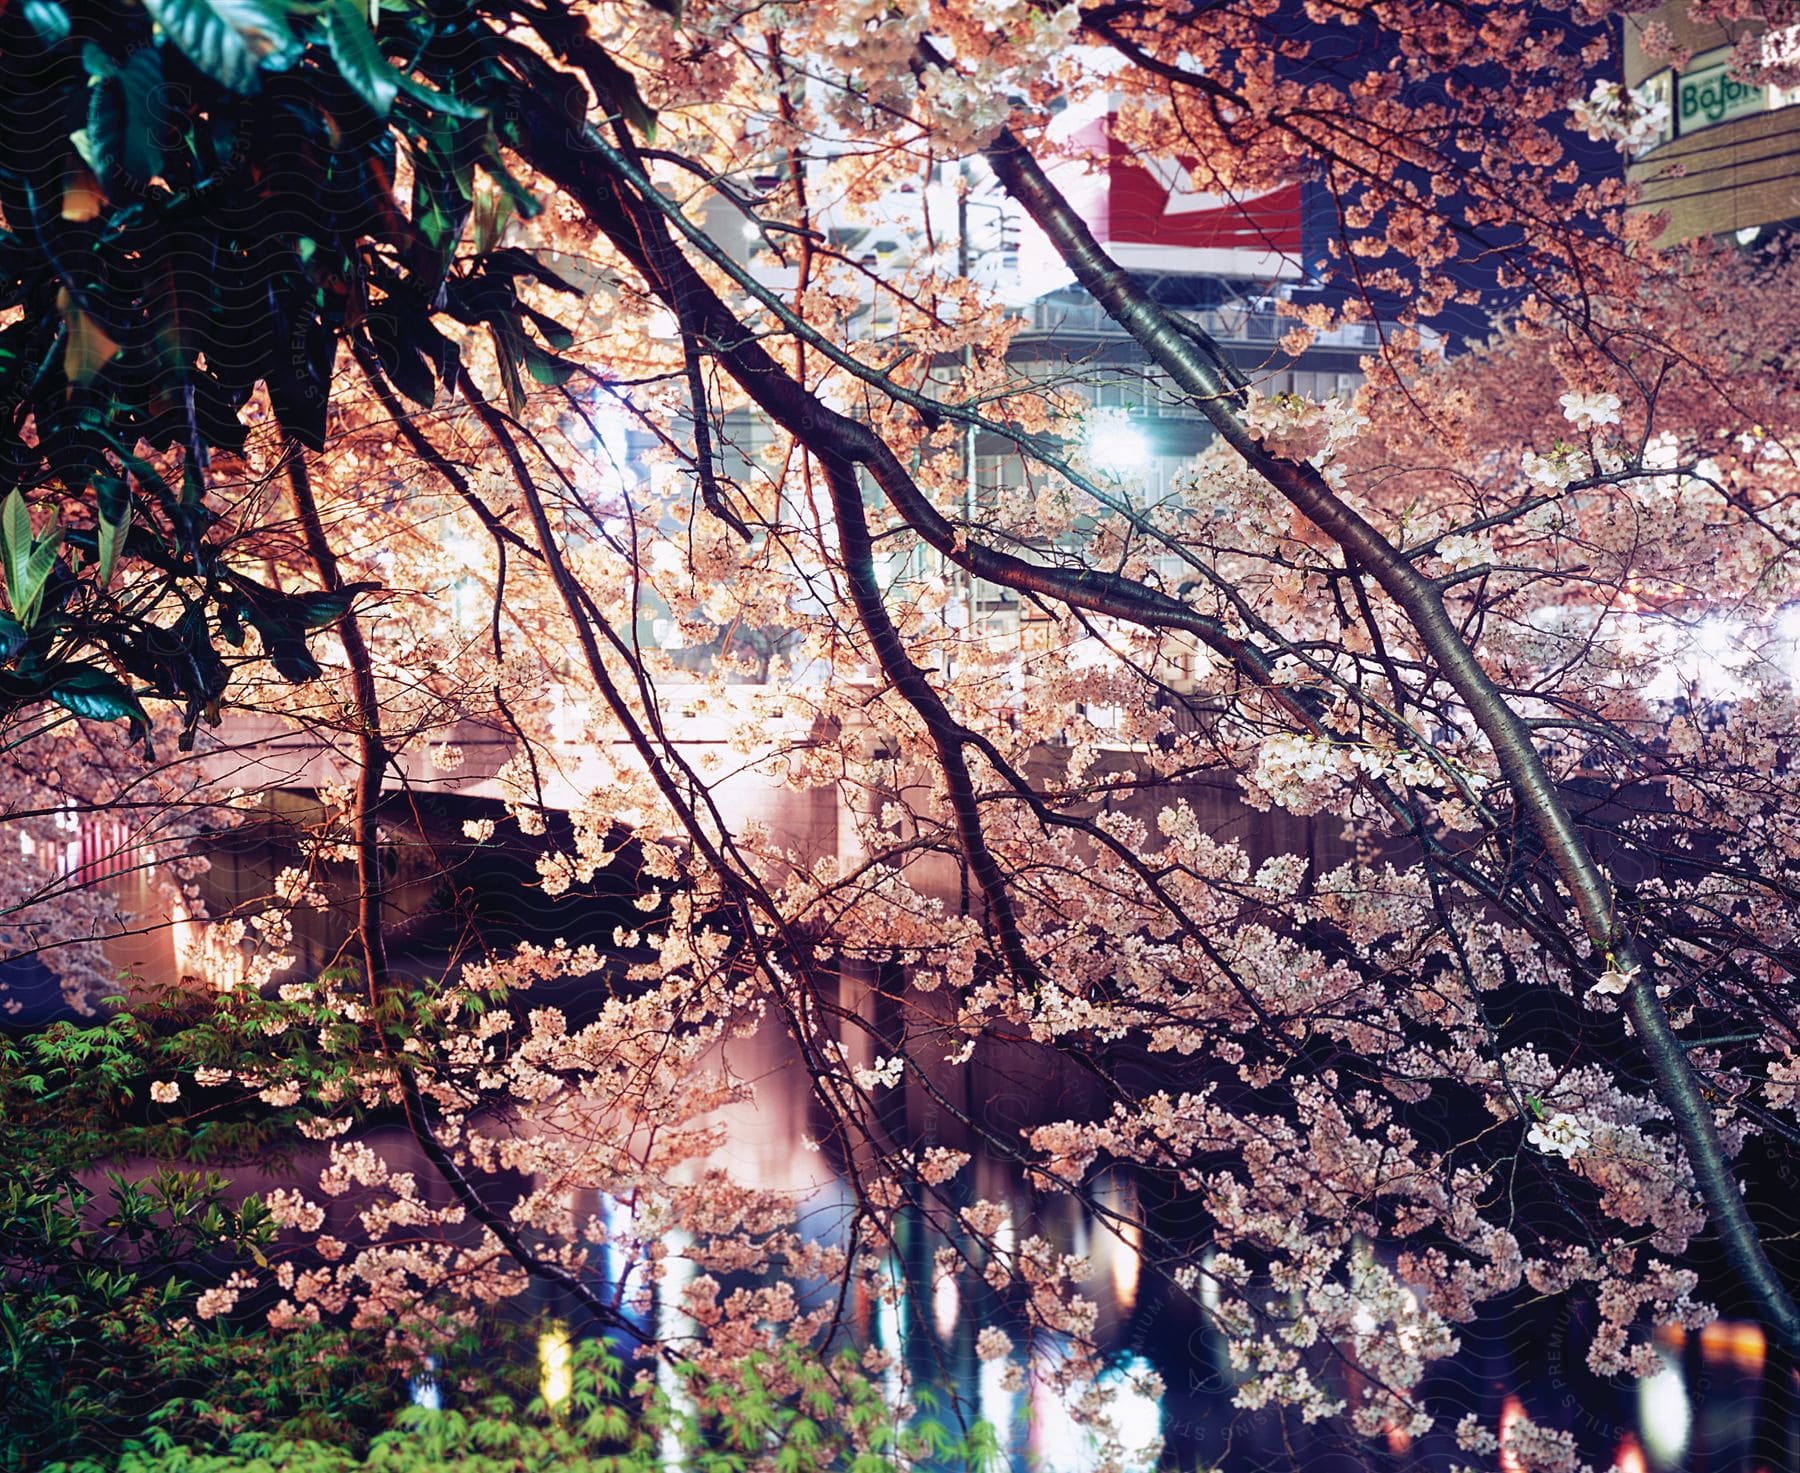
[(1734, 174)]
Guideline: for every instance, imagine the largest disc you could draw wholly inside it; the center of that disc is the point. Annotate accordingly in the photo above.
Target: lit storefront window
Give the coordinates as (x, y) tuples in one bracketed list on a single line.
[(1654, 97), (1705, 93)]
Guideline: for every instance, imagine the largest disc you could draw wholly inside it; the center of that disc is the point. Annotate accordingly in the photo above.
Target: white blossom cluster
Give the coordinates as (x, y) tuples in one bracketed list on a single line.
[(1611, 113), (1562, 1135), (1304, 774), (1295, 427), (1563, 465)]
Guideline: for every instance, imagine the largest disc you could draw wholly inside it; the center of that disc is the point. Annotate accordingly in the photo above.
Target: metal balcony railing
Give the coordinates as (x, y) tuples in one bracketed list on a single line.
[(1242, 323)]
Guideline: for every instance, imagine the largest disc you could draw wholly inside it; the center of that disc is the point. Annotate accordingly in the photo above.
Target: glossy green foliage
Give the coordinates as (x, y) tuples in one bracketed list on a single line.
[(200, 200), (497, 1432), (837, 1421), (118, 1211)]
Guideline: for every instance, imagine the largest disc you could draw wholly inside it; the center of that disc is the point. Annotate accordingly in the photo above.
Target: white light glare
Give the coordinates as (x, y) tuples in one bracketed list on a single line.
[(1664, 1416), (1117, 447), (946, 1305), (556, 1366), (1717, 636), (1136, 1417)]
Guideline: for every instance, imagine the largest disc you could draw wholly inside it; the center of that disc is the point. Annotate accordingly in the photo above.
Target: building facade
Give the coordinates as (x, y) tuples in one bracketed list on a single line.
[(1726, 161), (1225, 263)]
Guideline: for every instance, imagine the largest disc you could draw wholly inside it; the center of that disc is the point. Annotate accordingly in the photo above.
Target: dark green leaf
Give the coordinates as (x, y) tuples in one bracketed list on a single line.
[(112, 534), (93, 693), (406, 365), (300, 383), (511, 261), (232, 41), (112, 496), (492, 209), (127, 115), (437, 225), (146, 114), (437, 101), (508, 347), (49, 20), (320, 609), (523, 199), (623, 95), (545, 368), (282, 620), (27, 562), (87, 346), (359, 58), (96, 63), (15, 543), (37, 574), (552, 331)]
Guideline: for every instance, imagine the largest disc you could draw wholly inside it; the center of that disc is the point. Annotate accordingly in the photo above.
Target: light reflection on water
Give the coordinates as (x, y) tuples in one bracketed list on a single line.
[(1664, 1416), (1699, 1409), (673, 1327)]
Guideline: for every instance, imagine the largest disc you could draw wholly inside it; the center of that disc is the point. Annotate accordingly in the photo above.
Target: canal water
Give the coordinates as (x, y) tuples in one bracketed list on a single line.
[(1716, 1404)]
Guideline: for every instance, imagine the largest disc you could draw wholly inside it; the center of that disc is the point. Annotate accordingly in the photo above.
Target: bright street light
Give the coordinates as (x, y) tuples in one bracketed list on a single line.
[(1116, 447)]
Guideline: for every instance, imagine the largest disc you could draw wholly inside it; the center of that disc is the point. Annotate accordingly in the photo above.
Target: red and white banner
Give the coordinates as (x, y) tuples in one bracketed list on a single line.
[(1150, 216), (1152, 202)]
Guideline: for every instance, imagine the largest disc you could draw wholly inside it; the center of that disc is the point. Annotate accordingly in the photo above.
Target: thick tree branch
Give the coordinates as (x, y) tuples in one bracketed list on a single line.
[(372, 760), (371, 749), (1422, 602)]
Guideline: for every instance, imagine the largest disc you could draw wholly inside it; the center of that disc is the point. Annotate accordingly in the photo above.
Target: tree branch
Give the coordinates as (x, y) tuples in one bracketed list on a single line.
[(1421, 601)]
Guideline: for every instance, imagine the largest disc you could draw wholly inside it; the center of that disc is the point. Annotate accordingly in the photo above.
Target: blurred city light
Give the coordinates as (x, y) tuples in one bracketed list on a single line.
[(556, 1366), (1116, 447), (1664, 1416)]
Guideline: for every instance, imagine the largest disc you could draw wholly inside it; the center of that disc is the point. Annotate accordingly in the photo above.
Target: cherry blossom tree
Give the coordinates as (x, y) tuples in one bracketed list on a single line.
[(1513, 627)]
